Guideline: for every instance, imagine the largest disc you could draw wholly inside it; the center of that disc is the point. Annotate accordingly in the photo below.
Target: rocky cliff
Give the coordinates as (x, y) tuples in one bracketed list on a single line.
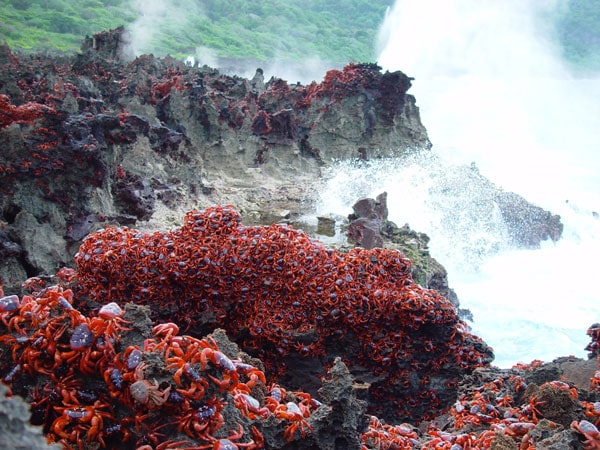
[(93, 140)]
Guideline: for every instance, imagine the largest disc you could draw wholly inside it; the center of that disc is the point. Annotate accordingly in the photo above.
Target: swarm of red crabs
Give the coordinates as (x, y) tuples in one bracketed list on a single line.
[(91, 386), (279, 293), (94, 373)]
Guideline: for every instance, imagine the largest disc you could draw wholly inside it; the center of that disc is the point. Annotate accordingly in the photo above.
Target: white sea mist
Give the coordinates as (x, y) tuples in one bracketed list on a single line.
[(144, 34), (498, 101)]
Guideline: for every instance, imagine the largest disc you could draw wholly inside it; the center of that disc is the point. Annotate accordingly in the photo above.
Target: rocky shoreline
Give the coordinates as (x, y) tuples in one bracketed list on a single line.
[(113, 168)]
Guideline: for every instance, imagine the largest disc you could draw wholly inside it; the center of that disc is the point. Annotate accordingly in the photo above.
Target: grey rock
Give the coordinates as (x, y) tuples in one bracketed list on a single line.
[(15, 431)]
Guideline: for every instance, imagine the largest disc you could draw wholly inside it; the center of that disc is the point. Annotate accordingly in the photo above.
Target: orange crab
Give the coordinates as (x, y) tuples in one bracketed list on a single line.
[(81, 418), (146, 393), (229, 444), (291, 412)]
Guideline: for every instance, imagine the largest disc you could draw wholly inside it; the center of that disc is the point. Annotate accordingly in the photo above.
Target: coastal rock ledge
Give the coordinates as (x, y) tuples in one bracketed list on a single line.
[(93, 140)]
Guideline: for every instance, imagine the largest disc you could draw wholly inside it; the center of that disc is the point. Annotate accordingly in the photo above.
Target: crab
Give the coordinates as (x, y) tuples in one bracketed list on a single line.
[(591, 433), (229, 444), (147, 393), (210, 352), (75, 420), (291, 412), (250, 406), (110, 322), (592, 410)]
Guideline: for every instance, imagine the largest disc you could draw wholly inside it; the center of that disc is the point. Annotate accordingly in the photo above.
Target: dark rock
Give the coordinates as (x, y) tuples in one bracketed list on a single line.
[(369, 228), (80, 227), (90, 116), (367, 221), (165, 140), (8, 247), (108, 44), (284, 130), (135, 196), (528, 225), (342, 418), (556, 405), (594, 346)]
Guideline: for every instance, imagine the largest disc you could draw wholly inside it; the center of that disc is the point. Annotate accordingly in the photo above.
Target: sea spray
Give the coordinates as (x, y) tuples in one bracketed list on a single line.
[(527, 303), (498, 103)]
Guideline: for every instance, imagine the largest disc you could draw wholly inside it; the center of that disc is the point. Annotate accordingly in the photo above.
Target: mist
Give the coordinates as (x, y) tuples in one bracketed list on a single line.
[(144, 33), (494, 94), (489, 80), (143, 36)]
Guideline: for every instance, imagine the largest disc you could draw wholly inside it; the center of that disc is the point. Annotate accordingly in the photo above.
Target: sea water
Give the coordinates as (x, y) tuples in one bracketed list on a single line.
[(497, 102)]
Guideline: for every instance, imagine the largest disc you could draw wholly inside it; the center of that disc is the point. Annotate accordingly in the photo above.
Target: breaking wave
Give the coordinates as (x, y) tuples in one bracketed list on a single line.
[(498, 105)]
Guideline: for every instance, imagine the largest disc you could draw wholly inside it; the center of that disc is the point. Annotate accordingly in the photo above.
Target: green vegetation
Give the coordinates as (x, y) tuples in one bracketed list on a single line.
[(336, 31), (333, 30), (58, 24)]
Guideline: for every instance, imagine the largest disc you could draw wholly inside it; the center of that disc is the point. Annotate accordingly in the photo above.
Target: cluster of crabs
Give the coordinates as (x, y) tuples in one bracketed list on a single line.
[(115, 379), (280, 294), (102, 378)]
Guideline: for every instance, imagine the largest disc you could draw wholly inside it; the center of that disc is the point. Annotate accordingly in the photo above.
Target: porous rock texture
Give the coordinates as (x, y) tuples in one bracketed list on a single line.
[(92, 139)]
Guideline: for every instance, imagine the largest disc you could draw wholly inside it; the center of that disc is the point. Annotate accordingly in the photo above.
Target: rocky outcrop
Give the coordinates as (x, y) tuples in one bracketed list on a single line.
[(196, 390), (15, 431), (366, 223), (92, 140), (527, 224), (369, 227), (294, 303)]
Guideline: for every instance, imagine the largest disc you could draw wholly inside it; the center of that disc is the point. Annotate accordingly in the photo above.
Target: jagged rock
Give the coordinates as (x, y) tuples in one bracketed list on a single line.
[(11, 260), (191, 137), (370, 228), (366, 222), (184, 136), (9, 248), (109, 44), (594, 346), (258, 82), (15, 431), (339, 423), (135, 196), (528, 224), (45, 250)]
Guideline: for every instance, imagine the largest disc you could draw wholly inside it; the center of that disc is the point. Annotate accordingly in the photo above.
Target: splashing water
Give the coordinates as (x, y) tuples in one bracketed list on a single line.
[(496, 100)]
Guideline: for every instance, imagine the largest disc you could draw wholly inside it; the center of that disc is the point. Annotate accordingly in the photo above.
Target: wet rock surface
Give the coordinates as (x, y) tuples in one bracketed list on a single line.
[(369, 227)]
